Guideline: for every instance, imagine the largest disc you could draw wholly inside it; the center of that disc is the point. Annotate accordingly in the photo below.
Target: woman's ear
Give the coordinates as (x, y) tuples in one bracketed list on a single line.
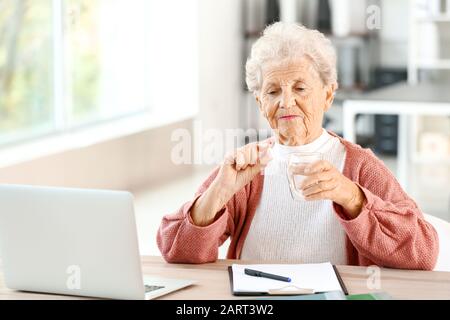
[(330, 93), (258, 101)]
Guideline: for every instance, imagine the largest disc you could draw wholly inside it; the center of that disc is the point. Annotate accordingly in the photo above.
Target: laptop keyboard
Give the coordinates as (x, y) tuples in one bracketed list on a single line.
[(152, 288)]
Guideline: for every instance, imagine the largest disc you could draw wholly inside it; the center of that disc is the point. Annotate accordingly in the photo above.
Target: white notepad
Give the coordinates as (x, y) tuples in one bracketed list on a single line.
[(319, 277)]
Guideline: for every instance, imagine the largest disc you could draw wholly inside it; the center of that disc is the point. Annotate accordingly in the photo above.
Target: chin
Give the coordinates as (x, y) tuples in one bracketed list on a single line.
[(292, 130), (292, 134)]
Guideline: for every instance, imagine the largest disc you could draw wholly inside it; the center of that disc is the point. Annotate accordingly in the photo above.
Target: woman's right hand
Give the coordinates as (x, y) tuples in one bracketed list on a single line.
[(238, 169), (241, 166)]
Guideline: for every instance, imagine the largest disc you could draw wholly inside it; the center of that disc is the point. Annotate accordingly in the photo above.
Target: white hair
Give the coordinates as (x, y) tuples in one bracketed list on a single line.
[(282, 41)]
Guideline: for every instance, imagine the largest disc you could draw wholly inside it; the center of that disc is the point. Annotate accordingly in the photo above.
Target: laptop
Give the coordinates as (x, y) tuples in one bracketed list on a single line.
[(74, 242)]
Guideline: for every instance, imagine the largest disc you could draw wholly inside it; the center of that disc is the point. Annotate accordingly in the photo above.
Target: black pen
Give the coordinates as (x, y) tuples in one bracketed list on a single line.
[(256, 273)]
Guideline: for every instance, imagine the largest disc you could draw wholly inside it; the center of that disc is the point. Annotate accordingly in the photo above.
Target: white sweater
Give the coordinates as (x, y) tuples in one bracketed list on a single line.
[(287, 230)]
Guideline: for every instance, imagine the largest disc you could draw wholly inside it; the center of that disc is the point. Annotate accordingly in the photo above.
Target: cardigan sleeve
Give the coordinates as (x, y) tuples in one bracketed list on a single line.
[(390, 230), (181, 241)]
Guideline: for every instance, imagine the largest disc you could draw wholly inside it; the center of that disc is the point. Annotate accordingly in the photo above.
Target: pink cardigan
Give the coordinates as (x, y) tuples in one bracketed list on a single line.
[(389, 232)]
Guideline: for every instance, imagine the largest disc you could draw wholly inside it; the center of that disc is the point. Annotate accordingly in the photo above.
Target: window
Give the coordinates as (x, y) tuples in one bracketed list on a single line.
[(106, 58), (67, 63), (26, 76)]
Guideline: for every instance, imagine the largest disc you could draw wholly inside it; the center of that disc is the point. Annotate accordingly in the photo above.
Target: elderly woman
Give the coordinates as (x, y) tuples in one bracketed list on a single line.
[(353, 210)]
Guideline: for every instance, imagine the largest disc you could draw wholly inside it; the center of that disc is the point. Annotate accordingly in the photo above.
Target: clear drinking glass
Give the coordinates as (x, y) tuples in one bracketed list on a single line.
[(297, 162)]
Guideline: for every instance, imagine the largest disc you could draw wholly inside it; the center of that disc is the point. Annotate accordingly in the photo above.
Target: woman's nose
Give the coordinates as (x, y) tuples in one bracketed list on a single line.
[(287, 99)]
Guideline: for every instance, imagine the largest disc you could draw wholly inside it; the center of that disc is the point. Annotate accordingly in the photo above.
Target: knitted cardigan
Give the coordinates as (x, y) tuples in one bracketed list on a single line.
[(389, 232)]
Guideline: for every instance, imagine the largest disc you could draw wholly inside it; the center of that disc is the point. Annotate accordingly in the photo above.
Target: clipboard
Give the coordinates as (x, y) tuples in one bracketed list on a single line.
[(281, 292)]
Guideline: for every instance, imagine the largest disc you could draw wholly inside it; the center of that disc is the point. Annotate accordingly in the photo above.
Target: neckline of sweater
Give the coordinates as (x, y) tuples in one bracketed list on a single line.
[(282, 152)]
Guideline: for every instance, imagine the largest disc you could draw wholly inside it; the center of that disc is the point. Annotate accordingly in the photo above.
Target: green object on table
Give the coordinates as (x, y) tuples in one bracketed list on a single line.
[(370, 296)]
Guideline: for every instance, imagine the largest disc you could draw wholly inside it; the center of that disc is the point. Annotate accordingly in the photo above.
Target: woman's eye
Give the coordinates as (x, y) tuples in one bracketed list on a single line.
[(300, 89), (272, 91)]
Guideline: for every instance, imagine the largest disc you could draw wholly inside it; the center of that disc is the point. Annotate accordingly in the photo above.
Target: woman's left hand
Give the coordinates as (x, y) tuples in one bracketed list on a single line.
[(324, 181)]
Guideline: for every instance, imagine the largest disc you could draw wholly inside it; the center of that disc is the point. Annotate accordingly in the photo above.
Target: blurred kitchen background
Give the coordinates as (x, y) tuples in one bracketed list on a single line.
[(92, 91)]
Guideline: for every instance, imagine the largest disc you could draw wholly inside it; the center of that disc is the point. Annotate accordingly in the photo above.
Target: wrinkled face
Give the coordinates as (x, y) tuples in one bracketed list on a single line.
[(294, 99)]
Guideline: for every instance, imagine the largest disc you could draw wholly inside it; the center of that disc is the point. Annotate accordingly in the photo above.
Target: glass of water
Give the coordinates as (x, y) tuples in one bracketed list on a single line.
[(297, 162)]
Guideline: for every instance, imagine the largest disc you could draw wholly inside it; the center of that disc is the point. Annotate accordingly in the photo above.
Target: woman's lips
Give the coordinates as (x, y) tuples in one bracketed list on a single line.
[(289, 117)]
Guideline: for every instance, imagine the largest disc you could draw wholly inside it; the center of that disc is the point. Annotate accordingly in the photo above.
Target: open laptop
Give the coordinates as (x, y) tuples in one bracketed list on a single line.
[(74, 242)]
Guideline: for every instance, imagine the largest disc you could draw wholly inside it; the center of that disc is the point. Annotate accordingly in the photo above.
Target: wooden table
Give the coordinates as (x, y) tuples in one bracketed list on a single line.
[(213, 282)]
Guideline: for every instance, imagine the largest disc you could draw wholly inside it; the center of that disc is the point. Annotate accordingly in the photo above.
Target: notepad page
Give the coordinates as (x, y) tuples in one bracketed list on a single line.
[(319, 277)]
